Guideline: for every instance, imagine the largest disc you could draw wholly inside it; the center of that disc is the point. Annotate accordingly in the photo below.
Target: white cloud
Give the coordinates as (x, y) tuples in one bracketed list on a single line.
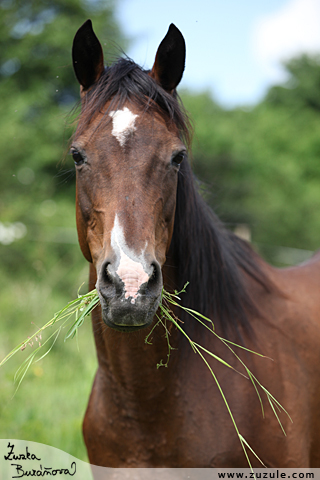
[(290, 31)]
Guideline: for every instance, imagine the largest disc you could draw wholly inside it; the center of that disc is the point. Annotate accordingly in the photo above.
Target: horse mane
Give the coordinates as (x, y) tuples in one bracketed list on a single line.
[(216, 262), (201, 247)]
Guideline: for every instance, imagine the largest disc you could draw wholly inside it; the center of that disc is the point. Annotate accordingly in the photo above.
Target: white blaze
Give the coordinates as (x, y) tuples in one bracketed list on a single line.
[(130, 270), (123, 124)]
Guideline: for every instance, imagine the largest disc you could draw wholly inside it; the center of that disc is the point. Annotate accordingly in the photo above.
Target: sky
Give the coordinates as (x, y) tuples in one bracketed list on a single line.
[(235, 48)]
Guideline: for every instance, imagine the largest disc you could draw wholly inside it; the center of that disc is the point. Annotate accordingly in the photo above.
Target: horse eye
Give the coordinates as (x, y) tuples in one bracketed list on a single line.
[(177, 159), (77, 157)]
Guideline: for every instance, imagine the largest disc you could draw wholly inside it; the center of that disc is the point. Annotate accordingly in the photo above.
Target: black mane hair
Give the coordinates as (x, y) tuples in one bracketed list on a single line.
[(203, 252), (216, 262)]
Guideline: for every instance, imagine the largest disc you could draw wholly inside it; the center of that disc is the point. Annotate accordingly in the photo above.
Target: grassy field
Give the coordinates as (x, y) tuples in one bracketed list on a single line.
[(50, 404)]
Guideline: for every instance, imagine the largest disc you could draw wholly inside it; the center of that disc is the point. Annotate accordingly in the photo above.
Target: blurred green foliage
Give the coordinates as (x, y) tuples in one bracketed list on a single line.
[(259, 167), (37, 90), (42, 271)]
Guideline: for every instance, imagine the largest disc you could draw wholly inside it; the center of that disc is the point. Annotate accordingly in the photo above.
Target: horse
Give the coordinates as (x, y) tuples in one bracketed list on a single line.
[(143, 226)]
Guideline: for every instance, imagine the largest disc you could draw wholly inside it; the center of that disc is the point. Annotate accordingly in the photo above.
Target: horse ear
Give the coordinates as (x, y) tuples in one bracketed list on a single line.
[(170, 60), (87, 56)]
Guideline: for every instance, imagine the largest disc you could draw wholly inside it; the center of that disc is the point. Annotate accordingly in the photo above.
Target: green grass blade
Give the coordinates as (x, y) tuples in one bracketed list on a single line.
[(87, 302), (218, 359), (251, 450), (56, 333), (23, 372), (79, 321)]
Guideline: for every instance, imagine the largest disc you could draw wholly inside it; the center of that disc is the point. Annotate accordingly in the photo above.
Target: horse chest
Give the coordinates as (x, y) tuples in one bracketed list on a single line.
[(177, 429)]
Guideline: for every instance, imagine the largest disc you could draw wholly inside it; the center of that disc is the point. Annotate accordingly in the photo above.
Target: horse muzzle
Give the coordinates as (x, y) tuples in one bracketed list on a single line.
[(129, 298)]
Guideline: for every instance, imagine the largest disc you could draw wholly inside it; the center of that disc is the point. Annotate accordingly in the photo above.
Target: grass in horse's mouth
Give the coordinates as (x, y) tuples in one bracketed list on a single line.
[(75, 312)]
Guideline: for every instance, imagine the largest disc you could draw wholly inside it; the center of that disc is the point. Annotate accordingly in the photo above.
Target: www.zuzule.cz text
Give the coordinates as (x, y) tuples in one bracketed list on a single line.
[(274, 474)]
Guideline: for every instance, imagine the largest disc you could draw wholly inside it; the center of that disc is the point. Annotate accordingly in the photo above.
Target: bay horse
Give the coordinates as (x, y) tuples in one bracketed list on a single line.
[(143, 225)]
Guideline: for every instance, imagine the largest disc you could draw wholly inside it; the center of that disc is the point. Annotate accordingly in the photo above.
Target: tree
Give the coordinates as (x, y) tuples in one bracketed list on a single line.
[(302, 90), (38, 89), (263, 164)]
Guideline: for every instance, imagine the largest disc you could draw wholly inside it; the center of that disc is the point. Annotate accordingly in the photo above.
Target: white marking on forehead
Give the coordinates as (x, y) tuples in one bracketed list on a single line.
[(132, 268), (123, 124)]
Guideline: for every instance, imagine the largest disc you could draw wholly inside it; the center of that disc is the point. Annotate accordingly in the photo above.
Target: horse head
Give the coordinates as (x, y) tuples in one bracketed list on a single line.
[(127, 150)]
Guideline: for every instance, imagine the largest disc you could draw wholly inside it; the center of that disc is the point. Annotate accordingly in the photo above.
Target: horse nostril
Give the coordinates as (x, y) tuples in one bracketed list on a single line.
[(107, 277), (154, 272), (153, 281), (109, 284)]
